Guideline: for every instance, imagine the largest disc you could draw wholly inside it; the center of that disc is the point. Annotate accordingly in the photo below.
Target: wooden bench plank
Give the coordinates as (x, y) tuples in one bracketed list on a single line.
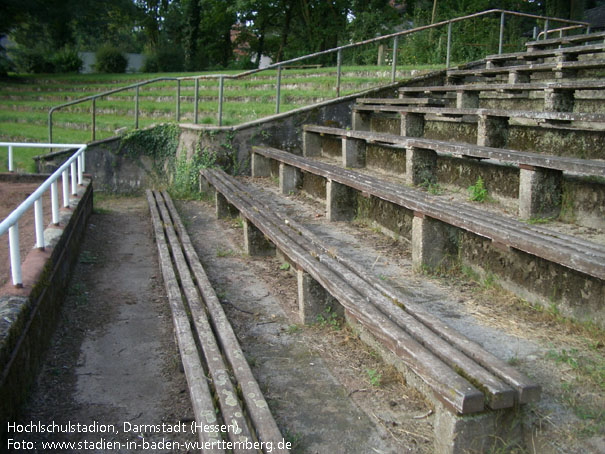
[(527, 390), (583, 256), (532, 86), (532, 67), (449, 387), (581, 166), (575, 50), (566, 40), (257, 410), (201, 399), (402, 101)]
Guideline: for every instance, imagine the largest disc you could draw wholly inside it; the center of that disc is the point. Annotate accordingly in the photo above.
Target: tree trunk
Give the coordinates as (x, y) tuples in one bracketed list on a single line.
[(284, 31)]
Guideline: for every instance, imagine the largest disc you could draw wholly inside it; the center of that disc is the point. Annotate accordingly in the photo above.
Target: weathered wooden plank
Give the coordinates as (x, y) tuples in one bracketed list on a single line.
[(571, 85), (498, 394), (449, 387), (402, 101), (231, 409), (526, 389), (256, 405), (201, 399), (576, 50), (531, 67), (526, 114), (567, 40), (518, 235)]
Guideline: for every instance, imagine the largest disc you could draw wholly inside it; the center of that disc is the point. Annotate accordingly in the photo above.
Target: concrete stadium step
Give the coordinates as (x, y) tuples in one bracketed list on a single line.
[(237, 398), (346, 280), (565, 40), (421, 155), (562, 53), (523, 73), (558, 96), (430, 215)]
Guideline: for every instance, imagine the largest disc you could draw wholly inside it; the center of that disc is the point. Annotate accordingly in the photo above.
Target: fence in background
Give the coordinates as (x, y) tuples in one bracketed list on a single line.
[(74, 166), (338, 50)]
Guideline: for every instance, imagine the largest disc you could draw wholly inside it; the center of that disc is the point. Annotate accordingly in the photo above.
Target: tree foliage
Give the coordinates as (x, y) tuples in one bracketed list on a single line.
[(206, 34)]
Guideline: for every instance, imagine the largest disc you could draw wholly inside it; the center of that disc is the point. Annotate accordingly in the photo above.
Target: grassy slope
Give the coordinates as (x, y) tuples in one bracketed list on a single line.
[(25, 101)]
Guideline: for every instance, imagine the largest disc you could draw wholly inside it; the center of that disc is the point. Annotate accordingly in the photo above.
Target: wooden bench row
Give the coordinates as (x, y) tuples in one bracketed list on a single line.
[(441, 358), (522, 73), (421, 162), (565, 40), (583, 256), (561, 54), (558, 96), (240, 400)]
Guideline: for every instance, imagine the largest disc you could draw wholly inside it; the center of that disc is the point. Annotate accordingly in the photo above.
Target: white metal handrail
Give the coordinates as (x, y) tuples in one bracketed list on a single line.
[(75, 164)]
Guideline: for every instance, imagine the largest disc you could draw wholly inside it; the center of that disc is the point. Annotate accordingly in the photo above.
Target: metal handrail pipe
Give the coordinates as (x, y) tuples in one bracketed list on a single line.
[(561, 29), (10, 223), (386, 37), (12, 218)]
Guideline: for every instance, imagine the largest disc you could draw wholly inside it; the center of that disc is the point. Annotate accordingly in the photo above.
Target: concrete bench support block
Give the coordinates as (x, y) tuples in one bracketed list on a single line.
[(353, 152), (313, 299), (223, 208), (467, 99), (341, 202), (430, 242), (255, 242), (311, 144), (539, 192), (492, 131), (558, 100), (412, 125), (261, 166), (479, 433), (290, 178), (420, 166), (515, 77), (361, 121)]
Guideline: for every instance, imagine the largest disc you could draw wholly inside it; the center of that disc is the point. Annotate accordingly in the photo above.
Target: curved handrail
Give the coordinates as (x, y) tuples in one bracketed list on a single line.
[(279, 65)]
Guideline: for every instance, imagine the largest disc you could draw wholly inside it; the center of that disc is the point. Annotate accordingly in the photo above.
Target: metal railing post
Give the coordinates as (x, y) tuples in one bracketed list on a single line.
[(79, 164), (394, 63), (94, 118), (54, 202), (220, 100), (449, 44), (338, 71), (10, 158), (65, 187), (50, 126), (39, 223), (196, 101), (136, 108), (588, 29), (15, 255), (278, 90), (500, 42), (178, 100), (74, 183), (546, 29), (535, 33)]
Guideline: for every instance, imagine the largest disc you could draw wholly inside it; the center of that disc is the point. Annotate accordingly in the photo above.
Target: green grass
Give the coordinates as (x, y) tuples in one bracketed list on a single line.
[(25, 101)]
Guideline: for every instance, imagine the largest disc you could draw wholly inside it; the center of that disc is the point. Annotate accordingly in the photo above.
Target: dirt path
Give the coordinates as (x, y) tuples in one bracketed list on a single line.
[(113, 359)]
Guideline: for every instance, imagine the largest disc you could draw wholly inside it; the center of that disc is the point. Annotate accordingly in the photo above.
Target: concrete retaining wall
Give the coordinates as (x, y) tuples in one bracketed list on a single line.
[(28, 315)]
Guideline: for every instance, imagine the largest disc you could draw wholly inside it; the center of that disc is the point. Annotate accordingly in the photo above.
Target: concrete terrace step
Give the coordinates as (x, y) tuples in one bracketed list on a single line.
[(515, 70), (581, 166), (574, 253), (562, 52), (211, 330), (565, 40), (432, 352)]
